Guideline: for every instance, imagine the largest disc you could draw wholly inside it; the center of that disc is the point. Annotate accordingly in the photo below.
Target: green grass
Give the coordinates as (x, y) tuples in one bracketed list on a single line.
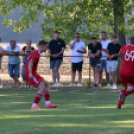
[(74, 114)]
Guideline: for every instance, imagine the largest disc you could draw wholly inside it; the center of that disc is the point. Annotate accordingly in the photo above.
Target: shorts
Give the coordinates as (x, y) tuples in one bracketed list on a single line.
[(77, 66), (95, 62), (111, 66), (37, 79), (55, 63), (13, 70), (103, 65), (126, 80)]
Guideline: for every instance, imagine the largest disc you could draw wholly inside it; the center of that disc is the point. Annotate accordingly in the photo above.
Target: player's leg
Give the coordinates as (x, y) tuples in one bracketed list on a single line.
[(124, 83), (47, 96)]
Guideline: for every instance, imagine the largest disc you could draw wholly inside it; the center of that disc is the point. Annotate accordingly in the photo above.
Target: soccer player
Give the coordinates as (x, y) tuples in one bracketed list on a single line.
[(35, 80), (127, 72)]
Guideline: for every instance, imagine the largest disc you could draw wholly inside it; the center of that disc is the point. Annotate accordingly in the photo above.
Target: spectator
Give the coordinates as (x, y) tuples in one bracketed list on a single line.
[(78, 48), (1, 52), (14, 62), (27, 49), (113, 54), (56, 48), (104, 41), (94, 52)]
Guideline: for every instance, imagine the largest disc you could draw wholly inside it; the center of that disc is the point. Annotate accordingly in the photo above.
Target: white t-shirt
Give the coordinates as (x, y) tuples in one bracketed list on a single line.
[(78, 46), (104, 46)]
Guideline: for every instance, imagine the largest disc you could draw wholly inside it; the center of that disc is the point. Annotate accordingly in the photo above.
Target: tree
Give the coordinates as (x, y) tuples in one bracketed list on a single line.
[(89, 17)]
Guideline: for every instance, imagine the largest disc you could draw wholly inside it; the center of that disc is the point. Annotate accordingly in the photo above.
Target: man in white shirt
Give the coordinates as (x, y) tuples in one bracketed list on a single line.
[(104, 41), (78, 47)]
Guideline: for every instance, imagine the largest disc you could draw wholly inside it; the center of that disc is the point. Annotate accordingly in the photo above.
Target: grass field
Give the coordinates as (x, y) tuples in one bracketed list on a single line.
[(74, 114)]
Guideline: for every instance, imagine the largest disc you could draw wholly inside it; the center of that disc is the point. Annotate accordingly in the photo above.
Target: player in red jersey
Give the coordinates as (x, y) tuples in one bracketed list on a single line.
[(36, 80), (127, 72)]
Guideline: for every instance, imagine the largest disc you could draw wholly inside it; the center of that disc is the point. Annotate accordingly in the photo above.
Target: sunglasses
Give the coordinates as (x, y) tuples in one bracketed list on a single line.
[(114, 37)]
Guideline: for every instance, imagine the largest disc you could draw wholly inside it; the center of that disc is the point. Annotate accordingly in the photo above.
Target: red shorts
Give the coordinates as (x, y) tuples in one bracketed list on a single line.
[(35, 81), (126, 80)]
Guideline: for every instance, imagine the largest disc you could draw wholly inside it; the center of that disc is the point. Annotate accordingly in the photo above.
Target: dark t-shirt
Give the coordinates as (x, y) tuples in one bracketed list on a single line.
[(28, 52), (55, 47), (94, 49), (113, 49)]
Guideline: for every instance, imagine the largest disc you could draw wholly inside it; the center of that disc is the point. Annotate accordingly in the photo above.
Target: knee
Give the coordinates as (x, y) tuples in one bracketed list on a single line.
[(46, 85)]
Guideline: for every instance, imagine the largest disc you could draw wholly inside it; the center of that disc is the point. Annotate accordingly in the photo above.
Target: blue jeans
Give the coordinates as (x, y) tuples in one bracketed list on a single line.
[(23, 73), (13, 70), (103, 65)]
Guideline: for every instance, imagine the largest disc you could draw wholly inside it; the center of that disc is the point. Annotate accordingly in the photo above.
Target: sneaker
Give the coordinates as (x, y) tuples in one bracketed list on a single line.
[(99, 85), (79, 85), (71, 85), (55, 85), (95, 85), (58, 84), (114, 87), (122, 97), (1, 86), (119, 105), (50, 105), (109, 86), (35, 107)]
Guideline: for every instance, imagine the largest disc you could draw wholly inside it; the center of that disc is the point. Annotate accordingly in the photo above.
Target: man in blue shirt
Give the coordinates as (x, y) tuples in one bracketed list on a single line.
[(14, 62)]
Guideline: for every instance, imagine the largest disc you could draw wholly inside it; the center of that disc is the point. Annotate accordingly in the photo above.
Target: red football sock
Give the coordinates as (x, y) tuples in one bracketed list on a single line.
[(129, 91), (37, 98), (122, 91), (47, 95)]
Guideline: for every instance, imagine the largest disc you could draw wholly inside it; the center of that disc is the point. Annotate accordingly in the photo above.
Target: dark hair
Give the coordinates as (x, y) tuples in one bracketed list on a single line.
[(57, 32), (93, 38), (29, 40), (13, 41), (77, 33), (132, 40), (104, 32), (42, 42)]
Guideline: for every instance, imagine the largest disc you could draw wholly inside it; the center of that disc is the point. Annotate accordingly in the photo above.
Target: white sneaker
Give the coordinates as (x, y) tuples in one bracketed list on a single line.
[(114, 87), (79, 85), (99, 85), (55, 85), (109, 86), (58, 84), (71, 85), (1, 86)]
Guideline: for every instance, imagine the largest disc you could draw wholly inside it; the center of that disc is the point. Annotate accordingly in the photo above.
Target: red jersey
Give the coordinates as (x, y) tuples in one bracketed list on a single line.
[(35, 56), (127, 67)]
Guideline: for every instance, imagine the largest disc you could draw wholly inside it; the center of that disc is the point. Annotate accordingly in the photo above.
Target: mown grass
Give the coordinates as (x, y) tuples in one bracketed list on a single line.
[(80, 111)]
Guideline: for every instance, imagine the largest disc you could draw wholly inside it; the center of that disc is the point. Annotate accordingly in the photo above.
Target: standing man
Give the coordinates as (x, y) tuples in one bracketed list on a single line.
[(78, 47), (27, 49), (14, 62), (104, 41), (112, 62), (56, 48), (94, 52)]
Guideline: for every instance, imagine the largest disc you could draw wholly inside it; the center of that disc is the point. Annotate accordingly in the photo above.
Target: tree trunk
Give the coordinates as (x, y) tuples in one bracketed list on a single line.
[(118, 10)]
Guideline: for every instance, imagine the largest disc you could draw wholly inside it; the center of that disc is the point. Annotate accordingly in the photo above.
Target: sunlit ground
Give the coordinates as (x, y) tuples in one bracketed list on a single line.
[(74, 114)]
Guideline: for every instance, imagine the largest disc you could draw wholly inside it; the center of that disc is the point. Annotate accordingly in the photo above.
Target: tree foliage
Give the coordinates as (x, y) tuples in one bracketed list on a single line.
[(89, 17)]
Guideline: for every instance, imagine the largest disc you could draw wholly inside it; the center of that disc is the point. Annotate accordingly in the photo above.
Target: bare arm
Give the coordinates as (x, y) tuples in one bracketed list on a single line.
[(61, 52), (30, 66), (72, 45), (84, 50), (97, 54), (90, 54)]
